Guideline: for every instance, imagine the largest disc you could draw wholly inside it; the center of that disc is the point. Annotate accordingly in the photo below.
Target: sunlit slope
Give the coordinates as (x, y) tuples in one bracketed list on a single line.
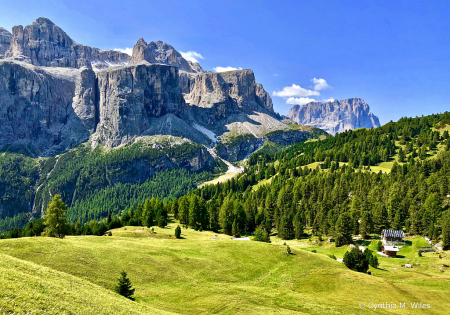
[(29, 288), (205, 276)]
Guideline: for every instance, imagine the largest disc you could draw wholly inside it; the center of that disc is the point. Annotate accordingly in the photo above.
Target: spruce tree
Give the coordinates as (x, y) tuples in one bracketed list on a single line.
[(124, 287)]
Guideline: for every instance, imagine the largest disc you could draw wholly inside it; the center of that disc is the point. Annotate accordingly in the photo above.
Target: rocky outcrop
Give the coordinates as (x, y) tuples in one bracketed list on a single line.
[(5, 41), (38, 114), (240, 149), (227, 94), (234, 89), (263, 98), (335, 116), (129, 96), (45, 44), (160, 52)]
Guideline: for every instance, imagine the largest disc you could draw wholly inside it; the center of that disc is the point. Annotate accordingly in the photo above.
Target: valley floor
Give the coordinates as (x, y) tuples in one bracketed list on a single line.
[(205, 273)]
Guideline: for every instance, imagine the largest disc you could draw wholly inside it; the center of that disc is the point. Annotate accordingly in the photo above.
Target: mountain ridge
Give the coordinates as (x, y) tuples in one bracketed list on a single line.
[(335, 116)]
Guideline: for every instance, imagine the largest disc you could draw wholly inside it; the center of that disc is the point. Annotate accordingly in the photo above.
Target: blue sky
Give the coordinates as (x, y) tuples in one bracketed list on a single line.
[(393, 54)]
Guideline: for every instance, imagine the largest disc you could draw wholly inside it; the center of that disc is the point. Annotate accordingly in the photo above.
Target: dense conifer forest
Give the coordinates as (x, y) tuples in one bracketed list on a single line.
[(289, 193), (95, 183)]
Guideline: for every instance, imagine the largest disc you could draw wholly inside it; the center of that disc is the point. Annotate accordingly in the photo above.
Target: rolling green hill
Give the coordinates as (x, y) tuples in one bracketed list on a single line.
[(197, 275), (29, 288)]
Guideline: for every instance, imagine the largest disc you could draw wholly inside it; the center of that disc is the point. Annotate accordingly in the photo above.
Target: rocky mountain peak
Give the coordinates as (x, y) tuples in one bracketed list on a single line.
[(335, 116), (5, 41), (43, 20), (160, 52), (43, 43)]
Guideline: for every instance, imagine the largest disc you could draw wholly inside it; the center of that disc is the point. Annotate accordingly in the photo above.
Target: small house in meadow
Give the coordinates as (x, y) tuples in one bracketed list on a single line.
[(392, 237), (390, 251)]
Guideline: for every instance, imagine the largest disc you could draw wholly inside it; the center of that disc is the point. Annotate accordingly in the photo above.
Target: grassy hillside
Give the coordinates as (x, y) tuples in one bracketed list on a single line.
[(198, 275), (29, 288)]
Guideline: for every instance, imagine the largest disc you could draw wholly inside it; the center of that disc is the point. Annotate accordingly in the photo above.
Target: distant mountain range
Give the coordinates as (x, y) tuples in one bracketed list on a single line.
[(335, 116)]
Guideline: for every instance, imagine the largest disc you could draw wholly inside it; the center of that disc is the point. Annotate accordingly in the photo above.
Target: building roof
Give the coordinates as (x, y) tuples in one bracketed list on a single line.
[(391, 249), (393, 233)]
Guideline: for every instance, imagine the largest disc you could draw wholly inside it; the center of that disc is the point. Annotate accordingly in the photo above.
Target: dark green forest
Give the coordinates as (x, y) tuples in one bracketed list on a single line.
[(340, 197), (95, 183)]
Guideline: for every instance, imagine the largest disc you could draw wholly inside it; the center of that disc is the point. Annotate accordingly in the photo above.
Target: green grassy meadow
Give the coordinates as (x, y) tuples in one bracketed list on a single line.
[(204, 273)]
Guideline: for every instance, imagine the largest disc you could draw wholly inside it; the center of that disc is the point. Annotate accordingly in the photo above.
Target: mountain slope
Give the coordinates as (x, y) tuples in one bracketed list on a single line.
[(335, 116), (32, 288), (200, 275)]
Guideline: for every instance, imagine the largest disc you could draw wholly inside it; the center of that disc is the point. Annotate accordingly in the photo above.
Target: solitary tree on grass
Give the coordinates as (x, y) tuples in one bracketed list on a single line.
[(178, 232), (124, 287), (55, 218)]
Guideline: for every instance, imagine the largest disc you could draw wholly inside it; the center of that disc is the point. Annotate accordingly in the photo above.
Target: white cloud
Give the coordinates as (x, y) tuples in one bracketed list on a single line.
[(224, 69), (295, 90), (192, 56), (276, 74), (329, 100), (299, 100), (128, 51), (320, 84)]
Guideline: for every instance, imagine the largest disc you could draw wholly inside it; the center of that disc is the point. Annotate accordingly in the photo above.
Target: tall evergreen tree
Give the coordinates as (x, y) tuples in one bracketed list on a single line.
[(55, 218)]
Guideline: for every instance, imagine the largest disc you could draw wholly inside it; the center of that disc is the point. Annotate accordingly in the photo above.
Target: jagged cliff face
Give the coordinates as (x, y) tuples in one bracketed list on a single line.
[(5, 41), (335, 116), (159, 52), (40, 115), (236, 89), (232, 101), (130, 96), (45, 44), (52, 100)]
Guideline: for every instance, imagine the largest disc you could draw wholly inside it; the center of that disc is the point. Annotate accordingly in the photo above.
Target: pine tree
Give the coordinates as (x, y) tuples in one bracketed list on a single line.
[(55, 218), (124, 287), (343, 230)]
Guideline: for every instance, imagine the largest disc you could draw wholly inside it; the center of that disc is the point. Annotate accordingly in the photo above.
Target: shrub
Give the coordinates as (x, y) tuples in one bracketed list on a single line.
[(109, 233), (178, 232), (373, 261), (380, 246), (420, 253), (357, 260), (261, 235), (332, 256), (313, 251), (288, 250)]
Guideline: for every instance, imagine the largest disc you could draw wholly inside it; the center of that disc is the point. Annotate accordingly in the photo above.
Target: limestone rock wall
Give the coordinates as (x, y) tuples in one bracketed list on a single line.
[(5, 41), (335, 116), (160, 52), (128, 97), (45, 44), (38, 114)]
